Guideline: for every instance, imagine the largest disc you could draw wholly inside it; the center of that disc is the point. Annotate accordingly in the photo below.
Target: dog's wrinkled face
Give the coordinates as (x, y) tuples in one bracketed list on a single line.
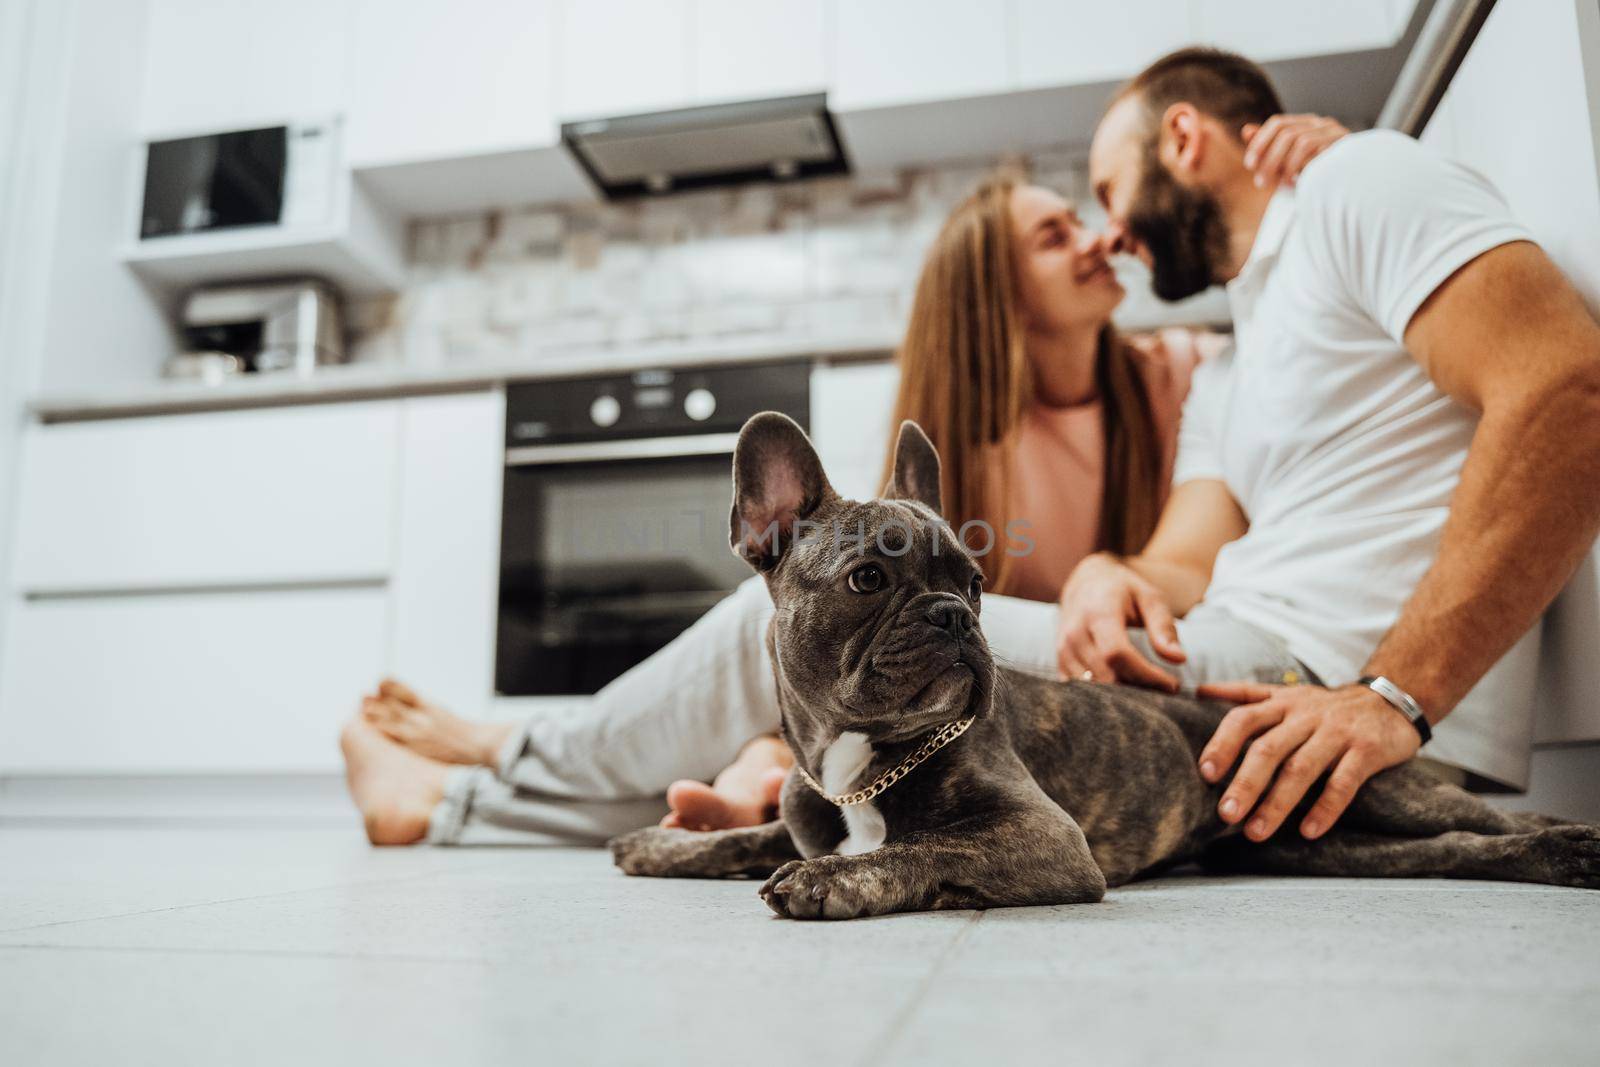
[(877, 602)]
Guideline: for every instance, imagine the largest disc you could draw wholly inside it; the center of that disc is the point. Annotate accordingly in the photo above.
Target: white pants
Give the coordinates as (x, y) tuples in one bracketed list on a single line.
[(596, 770)]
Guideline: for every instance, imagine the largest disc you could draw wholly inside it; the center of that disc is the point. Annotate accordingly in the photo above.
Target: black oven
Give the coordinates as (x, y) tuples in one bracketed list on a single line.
[(614, 530)]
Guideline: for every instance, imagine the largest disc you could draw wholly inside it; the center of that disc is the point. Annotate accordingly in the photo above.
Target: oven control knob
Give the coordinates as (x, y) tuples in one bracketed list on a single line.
[(605, 411), (699, 404)]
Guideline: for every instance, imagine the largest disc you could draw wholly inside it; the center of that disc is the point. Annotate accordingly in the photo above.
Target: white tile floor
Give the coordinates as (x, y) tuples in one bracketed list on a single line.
[(196, 946)]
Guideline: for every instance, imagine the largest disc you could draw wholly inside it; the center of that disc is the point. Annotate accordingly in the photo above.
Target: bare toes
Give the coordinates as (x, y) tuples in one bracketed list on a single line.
[(390, 689)]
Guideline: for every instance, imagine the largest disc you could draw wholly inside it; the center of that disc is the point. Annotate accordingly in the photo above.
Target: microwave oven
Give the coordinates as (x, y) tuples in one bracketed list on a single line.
[(281, 176)]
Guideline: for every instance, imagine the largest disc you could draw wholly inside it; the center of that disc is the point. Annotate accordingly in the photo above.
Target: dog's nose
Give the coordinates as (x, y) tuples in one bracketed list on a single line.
[(953, 617)]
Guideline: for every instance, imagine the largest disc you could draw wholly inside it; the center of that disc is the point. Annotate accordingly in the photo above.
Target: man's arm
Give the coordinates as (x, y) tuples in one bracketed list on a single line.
[(1106, 594), (1508, 336)]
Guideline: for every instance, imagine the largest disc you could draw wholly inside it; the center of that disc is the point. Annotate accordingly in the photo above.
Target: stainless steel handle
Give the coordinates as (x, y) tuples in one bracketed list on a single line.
[(1441, 45), (702, 444)]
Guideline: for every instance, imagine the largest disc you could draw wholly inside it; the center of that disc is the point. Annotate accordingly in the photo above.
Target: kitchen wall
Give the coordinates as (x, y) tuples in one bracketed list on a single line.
[(97, 322), (1534, 130), (15, 30), (828, 260)]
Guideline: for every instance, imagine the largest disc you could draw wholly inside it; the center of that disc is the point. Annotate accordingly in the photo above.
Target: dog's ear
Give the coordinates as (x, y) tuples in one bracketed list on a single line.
[(916, 469), (777, 481)]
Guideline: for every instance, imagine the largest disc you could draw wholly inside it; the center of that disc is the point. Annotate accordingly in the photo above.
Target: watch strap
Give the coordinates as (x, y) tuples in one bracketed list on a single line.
[(1402, 702)]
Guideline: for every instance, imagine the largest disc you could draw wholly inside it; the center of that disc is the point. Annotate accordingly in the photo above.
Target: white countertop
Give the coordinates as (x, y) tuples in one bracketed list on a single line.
[(361, 381)]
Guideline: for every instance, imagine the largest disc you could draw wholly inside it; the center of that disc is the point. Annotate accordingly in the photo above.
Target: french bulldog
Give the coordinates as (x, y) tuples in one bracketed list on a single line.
[(977, 786)]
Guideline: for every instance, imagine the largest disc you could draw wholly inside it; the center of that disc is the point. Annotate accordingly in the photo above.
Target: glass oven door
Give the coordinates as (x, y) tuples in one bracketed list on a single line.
[(604, 562)]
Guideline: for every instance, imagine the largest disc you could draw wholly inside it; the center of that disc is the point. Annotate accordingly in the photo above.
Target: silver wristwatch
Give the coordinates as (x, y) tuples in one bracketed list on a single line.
[(1402, 701)]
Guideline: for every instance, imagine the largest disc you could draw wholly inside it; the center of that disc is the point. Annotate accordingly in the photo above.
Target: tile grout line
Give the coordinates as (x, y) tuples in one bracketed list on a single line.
[(222, 900), (879, 1046), (266, 953)]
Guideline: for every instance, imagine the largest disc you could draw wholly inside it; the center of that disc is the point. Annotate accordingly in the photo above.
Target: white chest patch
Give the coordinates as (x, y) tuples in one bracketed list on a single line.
[(842, 764)]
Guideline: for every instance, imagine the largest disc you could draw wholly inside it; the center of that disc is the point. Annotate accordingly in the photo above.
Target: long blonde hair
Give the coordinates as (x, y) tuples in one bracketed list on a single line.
[(966, 379)]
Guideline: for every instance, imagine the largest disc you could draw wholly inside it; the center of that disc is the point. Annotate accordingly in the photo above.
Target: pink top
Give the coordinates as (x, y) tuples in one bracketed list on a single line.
[(1060, 464)]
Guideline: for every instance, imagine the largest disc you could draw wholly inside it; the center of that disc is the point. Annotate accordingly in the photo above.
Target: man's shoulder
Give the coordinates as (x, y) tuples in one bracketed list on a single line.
[(1367, 146), (1363, 162)]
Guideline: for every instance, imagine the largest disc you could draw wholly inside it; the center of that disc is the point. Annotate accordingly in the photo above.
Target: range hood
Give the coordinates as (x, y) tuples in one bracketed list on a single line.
[(701, 147)]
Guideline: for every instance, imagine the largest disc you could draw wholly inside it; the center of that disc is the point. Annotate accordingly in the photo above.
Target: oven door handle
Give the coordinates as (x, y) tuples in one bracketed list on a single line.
[(704, 444)]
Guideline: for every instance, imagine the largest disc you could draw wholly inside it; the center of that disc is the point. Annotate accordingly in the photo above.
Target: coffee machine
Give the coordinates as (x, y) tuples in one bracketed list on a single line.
[(258, 328)]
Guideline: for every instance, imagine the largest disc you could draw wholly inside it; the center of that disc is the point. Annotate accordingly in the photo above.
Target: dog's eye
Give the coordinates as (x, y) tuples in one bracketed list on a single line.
[(977, 587), (867, 579)]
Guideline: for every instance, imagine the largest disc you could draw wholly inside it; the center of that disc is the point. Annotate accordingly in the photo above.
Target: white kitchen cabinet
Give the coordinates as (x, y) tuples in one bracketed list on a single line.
[(443, 595), (1266, 30), (187, 682), (1064, 42), (214, 65), (889, 52), (749, 49), (851, 408), (436, 79), (220, 499), (616, 57), (214, 592)]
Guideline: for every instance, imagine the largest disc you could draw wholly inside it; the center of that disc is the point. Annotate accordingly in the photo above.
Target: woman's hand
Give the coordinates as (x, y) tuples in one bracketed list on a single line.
[(1098, 603), (1279, 149)]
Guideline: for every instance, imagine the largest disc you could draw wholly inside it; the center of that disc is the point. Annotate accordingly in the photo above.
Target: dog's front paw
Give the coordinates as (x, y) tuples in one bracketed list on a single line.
[(654, 852), (828, 887), (1567, 855)]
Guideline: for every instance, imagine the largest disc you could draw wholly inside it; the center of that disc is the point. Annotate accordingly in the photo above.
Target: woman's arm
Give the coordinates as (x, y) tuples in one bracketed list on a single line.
[(1106, 594)]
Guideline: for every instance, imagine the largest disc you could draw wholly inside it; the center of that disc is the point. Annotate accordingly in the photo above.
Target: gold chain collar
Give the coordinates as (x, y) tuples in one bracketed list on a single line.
[(942, 737)]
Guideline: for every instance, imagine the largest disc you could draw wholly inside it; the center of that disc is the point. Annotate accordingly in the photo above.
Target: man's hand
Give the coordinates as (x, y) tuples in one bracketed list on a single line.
[(1279, 149), (1098, 603), (1300, 732)]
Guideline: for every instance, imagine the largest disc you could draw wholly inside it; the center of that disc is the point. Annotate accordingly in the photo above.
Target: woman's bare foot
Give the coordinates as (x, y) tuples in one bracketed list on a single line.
[(394, 788), (431, 731), (745, 794)]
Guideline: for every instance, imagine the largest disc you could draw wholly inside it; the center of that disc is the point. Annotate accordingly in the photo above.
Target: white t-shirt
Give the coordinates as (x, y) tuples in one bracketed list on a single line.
[(1341, 451)]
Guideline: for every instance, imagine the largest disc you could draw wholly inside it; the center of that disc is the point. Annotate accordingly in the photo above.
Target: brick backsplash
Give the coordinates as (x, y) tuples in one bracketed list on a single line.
[(825, 259)]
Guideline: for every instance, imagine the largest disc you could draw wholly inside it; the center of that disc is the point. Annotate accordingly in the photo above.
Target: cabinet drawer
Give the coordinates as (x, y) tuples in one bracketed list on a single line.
[(231, 498), (207, 682)]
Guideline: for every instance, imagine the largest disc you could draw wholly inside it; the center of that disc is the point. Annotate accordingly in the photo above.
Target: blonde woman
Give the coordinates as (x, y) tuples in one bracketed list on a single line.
[(1052, 428)]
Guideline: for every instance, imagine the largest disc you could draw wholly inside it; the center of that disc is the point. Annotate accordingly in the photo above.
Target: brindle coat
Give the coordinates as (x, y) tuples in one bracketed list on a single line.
[(1059, 789)]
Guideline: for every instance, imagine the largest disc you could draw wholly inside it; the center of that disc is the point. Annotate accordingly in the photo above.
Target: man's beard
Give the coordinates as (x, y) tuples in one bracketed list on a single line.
[(1182, 228)]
